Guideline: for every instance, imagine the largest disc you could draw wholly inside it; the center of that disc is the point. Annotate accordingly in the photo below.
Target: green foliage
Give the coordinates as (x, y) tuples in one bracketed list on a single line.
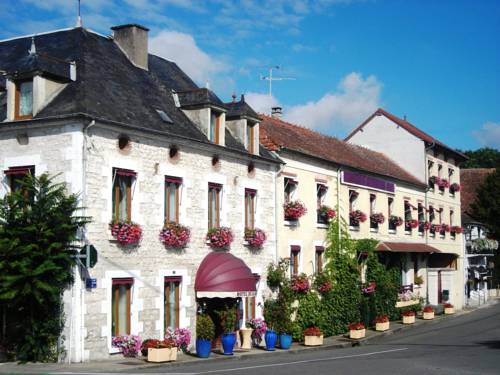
[(482, 158), (38, 229), (205, 328), (276, 274), (227, 319), (486, 207), (277, 314)]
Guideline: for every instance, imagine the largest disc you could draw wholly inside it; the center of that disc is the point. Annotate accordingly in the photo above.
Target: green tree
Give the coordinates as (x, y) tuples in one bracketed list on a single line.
[(38, 227), (482, 158), (486, 207)]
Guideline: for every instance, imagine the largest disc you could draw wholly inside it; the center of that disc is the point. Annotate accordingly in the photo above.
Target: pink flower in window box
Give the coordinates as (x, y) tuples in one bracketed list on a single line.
[(411, 224), (255, 237), (456, 229), (377, 218), (300, 284), (294, 210), (127, 234), (396, 220), (356, 217), (455, 188), (220, 238), (327, 211), (175, 235)]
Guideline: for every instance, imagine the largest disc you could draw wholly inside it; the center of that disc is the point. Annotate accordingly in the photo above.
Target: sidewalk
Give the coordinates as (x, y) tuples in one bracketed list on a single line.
[(121, 364)]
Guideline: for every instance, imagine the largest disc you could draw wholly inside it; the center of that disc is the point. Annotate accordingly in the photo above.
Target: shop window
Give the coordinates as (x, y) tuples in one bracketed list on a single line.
[(250, 196), (319, 258), (15, 176), (214, 205), (172, 199), (121, 303), (23, 108), (122, 194), (172, 302), (294, 260)]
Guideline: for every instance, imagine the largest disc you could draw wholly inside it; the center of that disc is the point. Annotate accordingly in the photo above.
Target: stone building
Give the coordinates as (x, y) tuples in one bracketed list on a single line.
[(141, 143)]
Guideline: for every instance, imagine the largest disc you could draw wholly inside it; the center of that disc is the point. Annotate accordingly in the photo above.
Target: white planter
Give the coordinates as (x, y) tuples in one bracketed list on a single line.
[(428, 315), (313, 340), (162, 355), (409, 319), (449, 310), (357, 333), (246, 338), (382, 326)]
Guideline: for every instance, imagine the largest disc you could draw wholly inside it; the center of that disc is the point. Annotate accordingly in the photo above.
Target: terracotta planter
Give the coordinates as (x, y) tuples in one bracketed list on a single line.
[(162, 355), (382, 326), (449, 310), (409, 319), (428, 315), (357, 333), (246, 338), (313, 340)]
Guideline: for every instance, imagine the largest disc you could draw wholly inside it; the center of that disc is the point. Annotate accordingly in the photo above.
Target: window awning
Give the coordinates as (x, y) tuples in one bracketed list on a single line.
[(223, 275), (406, 247)]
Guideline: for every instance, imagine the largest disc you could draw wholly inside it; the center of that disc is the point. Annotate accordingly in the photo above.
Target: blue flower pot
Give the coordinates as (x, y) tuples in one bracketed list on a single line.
[(271, 338), (228, 340), (285, 341), (203, 348)]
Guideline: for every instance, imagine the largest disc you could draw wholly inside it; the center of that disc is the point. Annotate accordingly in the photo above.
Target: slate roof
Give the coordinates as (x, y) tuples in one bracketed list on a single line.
[(470, 181), (276, 134), (199, 97), (108, 86), (238, 109), (412, 129)]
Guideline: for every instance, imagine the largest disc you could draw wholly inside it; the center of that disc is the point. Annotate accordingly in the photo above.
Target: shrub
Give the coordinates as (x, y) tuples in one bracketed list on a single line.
[(300, 283), (276, 274), (227, 319), (205, 328), (128, 345), (408, 313)]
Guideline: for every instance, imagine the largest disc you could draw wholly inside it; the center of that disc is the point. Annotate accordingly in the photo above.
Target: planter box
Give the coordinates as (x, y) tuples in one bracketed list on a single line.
[(408, 319), (246, 338), (313, 340), (162, 355), (357, 333), (449, 310), (382, 326), (428, 315), (407, 303)]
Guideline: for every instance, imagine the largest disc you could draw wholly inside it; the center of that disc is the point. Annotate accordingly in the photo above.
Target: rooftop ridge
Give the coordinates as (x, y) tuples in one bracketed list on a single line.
[(51, 32)]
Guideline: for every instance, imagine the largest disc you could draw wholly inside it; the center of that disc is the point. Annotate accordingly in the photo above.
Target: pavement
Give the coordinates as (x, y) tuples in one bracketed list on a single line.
[(440, 343)]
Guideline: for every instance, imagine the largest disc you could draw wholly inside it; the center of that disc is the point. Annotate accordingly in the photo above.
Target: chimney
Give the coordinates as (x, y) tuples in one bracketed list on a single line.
[(276, 112), (133, 41)]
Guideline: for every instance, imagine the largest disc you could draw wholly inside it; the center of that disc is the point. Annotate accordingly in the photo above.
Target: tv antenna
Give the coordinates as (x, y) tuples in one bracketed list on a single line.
[(79, 18), (270, 78)]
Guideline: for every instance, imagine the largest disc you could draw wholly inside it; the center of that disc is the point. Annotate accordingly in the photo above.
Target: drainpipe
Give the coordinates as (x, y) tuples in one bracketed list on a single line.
[(338, 203), (426, 175), (275, 177)]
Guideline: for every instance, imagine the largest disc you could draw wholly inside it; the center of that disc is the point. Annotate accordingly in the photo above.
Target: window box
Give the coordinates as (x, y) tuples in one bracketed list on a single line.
[(293, 210), (356, 217), (374, 230), (162, 355), (127, 234), (322, 226), (220, 238), (291, 223), (392, 231), (354, 228), (255, 238)]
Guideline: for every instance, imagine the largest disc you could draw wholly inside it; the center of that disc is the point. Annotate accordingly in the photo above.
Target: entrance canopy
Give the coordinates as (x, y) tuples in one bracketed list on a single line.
[(224, 275), (406, 247)]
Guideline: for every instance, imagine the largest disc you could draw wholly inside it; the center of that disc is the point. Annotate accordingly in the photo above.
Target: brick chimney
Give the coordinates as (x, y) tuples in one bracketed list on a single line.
[(276, 112), (133, 41)]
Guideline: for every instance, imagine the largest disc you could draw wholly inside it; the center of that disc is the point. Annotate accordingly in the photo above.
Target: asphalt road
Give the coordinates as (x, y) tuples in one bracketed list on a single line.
[(467, 344)]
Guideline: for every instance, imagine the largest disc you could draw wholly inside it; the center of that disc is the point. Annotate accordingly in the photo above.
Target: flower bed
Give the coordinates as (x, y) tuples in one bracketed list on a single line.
[(175, 235), (127, 234), (220, 238), (128, 345), (294, 210), (356, 217), (300, 284), (255, 238)]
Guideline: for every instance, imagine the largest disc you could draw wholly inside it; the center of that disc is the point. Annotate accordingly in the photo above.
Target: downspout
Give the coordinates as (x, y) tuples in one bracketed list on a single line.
[(276, 205), (338, 204), (426, 203)]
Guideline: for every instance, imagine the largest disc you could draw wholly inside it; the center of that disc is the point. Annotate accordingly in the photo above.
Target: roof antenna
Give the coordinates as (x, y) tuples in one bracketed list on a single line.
[(32, 50), (270, 78), (79, 18)]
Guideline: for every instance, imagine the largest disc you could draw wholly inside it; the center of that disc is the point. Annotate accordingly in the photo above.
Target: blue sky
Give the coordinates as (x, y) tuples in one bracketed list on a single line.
[(437, 62)]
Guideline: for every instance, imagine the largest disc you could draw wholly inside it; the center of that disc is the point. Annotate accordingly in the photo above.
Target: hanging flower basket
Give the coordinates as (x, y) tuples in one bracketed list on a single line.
[(327, 212), (175, 235), (356, 217), (396, 221), (127, 234), (443, 228), (411, 224), (369, 288), (455, 188), (456, 229), (255, 238), (322, 283), (377, 218), (294, 210), (425, 225), (443, 183), (300, 284), (220, 238)]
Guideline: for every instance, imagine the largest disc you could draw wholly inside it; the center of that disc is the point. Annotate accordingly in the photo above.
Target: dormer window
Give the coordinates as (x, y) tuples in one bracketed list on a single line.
[(250, 138), (214, 131), (23, 100)]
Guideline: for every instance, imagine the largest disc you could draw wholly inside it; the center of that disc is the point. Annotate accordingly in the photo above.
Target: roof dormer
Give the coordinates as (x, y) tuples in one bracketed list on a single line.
[(243, 123)]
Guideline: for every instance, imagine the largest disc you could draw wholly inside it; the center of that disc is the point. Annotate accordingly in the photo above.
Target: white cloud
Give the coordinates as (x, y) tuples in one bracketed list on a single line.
[(338, 111), (183, 50), (262, 103), (489, 135)]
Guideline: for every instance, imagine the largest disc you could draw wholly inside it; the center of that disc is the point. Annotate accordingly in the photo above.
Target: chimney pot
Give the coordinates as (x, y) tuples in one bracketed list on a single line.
[(133, 40), (276, 112), (242, 98)]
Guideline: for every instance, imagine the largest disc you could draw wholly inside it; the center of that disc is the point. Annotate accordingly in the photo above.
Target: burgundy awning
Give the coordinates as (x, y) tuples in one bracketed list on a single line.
[(295, 249), (173, 279), (173, 180), (223, 275), (320, 249), (125, 172), (18, 170), (123, 281), (251, 192), (212, 185), (406, 247)]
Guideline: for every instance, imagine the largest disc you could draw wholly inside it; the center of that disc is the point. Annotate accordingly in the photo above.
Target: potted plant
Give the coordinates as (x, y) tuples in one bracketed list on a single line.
[(456, 229), (313, 336), (382, 323), (408, 317), (127, 234), (357, 331), (300, 283), (228, 323), (162, 350), (294, 210), (182, 337), (128, 345), (255, 238), (377, 218), (219, 238), (396, 221), (259, 328), (356, 217), (325, 214), (285, 336), (419, 280), (272, 316), (428, 313), (449, 308), (322, 283), (411, 224), (205, 332), (454, 188), (175, 235), (246, 336)]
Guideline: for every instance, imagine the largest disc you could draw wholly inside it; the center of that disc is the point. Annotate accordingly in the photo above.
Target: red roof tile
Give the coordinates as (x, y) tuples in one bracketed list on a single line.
[(276, 134), (470, 180), (412, 129), (406, 247)]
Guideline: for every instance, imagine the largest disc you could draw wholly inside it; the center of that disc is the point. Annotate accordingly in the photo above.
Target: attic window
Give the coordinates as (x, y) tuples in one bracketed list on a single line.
[(164, 117), (23, 100), (214, 130), (251, 138)]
